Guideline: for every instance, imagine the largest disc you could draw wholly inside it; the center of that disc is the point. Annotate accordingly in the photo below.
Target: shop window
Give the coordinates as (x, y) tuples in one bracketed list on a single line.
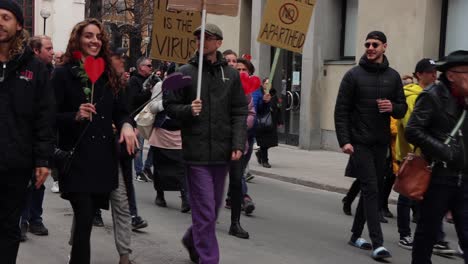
[(453, 26), (28, 13)]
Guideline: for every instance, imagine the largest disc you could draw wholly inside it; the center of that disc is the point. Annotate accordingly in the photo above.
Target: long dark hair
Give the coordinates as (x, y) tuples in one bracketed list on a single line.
[(74, 45)]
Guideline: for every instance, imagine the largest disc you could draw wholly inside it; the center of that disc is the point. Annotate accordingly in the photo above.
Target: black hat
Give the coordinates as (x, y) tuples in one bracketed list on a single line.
[(13, 7), (379, 35), (425, 65), (456, 58), (117, 50), (210, 29)]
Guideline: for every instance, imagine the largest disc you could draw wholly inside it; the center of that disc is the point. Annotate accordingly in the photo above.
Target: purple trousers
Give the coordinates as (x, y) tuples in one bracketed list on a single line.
[(205, 187)]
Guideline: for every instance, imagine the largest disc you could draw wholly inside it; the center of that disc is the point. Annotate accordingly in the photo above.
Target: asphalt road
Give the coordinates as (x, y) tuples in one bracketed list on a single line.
[(292, 225)]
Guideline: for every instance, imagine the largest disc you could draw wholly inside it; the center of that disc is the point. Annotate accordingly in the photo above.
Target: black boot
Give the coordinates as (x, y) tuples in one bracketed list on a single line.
[(160, 201), (237, 231), (346, 206), (185, 205), (259, 157)]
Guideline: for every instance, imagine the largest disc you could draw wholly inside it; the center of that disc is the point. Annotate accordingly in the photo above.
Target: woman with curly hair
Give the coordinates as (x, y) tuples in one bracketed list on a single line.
[(85, 122)]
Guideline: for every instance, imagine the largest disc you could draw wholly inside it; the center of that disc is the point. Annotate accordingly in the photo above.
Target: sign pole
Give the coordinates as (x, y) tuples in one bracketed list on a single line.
[(273, 68), (200, 50)]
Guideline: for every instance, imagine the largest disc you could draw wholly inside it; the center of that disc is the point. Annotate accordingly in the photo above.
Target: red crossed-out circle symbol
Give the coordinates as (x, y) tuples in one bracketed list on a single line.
[(288, 13)]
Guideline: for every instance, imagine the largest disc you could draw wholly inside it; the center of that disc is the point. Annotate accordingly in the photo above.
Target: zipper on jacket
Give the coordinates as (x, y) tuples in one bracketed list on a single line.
[(460, 174), (2, 78)]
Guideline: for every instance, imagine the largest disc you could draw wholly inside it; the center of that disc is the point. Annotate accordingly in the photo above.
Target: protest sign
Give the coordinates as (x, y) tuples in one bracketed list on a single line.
[(285, 23), (217, 7), (173, 38)]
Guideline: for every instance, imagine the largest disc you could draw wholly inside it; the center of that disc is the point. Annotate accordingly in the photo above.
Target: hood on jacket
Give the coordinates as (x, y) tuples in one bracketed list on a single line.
[(220, 61), (412, 89), (373, 67)]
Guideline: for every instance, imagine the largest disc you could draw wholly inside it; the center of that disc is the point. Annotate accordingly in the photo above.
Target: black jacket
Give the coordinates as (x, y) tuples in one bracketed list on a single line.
[(26, 113), (135, 94), (357, 117), (94, 167), (221, 126), (434, 116)]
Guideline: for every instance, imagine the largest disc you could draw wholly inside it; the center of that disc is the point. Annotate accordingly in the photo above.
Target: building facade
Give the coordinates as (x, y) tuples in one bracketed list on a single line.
[(61, 15), (309, 82)]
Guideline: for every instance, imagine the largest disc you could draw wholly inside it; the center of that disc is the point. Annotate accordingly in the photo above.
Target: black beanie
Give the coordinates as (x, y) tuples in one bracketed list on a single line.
[(13, 7)]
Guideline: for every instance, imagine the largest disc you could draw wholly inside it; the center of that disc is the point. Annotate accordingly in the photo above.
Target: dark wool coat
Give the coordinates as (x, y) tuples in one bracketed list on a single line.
[(94, 167)]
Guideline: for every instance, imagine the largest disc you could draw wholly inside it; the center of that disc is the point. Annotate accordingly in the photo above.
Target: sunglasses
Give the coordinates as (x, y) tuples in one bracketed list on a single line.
[(374, 45), (149, 66)]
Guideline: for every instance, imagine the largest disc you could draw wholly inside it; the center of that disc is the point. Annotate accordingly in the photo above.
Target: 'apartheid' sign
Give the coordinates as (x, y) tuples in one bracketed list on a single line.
[(285, 23), (173, 38)]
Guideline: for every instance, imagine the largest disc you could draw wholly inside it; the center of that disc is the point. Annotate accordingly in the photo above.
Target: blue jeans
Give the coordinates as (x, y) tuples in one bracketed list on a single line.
[(138, 161), (32, 212)]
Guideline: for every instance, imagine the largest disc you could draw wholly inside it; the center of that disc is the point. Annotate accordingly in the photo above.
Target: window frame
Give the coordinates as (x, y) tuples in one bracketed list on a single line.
[(344, 7), (29, 5)]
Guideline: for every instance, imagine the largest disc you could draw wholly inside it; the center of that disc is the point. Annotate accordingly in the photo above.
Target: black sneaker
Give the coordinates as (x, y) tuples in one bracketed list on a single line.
[(382, 218), (138, 223), (141, 177), (249, 177), (249, 206), (24, 230), (228, 203), (97, 221), (266, 165), (442, 248), (406, 242), (38, 229)]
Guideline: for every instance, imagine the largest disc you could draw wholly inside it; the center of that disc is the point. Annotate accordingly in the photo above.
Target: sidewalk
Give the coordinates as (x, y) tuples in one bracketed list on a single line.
[(319, 169)]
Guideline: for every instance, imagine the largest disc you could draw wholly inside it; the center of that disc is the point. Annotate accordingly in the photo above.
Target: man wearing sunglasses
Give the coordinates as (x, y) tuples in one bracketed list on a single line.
[(369, 94)]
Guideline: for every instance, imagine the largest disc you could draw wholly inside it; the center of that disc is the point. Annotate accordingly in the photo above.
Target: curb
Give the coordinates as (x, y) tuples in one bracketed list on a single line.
[(306, 183)]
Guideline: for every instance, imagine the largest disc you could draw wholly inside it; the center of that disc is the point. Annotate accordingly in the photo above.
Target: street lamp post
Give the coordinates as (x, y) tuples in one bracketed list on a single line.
[(45, 14)]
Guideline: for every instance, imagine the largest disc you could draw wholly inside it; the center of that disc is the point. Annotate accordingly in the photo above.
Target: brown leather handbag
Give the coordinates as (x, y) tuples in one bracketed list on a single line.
[(413, 177)]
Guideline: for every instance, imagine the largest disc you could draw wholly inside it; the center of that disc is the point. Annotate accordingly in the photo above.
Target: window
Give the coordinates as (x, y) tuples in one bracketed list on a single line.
[(349, 28), (28, 13), (453, 26)]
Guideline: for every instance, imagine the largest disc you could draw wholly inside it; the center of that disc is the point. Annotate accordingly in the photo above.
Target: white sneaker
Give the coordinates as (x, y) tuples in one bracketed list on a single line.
[(55, 187)]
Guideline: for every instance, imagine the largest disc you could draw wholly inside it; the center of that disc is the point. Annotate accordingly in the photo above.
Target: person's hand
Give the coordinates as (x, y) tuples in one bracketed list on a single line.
[(124, 77), (128, 135), (267, 98), (196, 107), (384, 105), (236, 155), (41, 176), (85, 112), (348, 149)]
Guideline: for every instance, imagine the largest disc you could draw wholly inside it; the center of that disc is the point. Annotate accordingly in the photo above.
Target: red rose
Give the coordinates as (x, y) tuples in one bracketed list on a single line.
[(77, 55)]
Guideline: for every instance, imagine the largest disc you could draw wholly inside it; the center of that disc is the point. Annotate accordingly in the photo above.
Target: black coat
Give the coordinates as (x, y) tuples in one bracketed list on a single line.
[(94, 167), (434, 116), (357, 117), (221, 126), (268, 138), (135, 95), (26, 113)]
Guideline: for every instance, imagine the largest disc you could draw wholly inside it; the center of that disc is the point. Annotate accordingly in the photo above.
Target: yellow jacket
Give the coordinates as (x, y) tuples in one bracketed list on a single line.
[(394, 133), (402, 146)]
